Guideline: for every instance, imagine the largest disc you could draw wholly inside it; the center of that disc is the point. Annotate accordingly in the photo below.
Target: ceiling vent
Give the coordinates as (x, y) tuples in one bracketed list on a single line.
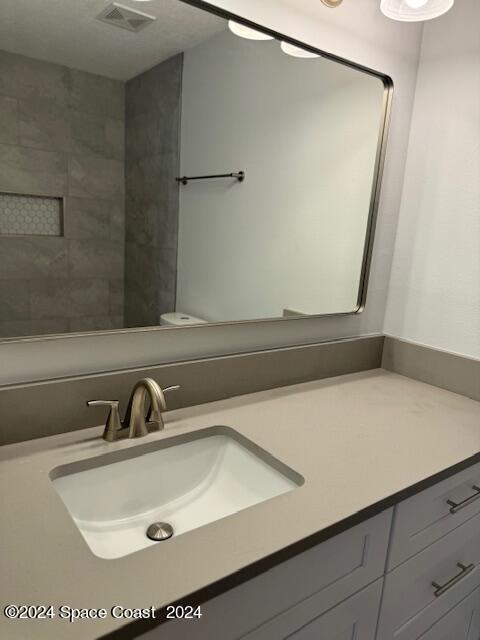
[(125, 18)]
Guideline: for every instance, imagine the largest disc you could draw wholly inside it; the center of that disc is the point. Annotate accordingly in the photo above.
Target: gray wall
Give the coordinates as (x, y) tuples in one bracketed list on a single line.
[(153, 103), (62, 134)]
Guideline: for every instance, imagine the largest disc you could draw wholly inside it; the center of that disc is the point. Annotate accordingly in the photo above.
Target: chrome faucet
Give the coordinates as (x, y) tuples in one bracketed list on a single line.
[(136, 424)]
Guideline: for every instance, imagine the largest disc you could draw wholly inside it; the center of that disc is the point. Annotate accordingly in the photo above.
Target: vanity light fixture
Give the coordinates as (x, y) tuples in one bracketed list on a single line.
[(297, 52), (246, 32), (415, 10), (332, 3)]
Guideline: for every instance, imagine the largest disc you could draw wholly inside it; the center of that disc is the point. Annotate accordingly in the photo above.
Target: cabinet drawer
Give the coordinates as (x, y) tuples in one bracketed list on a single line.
[(461, 623), (412, 603), (426, 517), (355, 618), (331, 571)]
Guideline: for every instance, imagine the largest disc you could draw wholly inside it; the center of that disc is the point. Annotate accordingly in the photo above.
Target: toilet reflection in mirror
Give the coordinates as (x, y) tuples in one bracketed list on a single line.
[(197, 176), (178, 319)]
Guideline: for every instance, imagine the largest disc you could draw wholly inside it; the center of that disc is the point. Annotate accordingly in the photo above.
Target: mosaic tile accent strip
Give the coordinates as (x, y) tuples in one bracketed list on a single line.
[(30, 215)]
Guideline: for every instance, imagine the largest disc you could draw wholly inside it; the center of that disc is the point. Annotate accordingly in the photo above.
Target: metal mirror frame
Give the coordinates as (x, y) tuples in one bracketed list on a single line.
[(374, 199)]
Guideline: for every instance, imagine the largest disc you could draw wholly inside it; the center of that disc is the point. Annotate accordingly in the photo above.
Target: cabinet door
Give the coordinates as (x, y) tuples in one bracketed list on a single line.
[(462, 623), (311, 583), (354, 619)]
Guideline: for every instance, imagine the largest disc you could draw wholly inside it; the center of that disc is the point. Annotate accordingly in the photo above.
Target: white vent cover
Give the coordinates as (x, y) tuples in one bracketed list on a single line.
[(125, 18)]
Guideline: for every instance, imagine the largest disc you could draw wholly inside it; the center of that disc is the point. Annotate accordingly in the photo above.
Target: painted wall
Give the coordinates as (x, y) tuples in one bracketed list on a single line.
[(292, 235), (151, 204), (434, 294), (62, 135), (357, 31)]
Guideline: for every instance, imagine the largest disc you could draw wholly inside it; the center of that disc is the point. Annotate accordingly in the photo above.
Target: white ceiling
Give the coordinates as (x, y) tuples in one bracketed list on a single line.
[(67, 32)]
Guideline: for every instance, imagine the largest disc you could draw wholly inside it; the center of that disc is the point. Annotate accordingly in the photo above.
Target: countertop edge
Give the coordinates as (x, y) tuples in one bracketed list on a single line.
[(137, 627)]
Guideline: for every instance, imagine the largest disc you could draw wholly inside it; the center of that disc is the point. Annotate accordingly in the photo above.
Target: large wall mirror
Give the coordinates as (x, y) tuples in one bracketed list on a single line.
[(161, 165)]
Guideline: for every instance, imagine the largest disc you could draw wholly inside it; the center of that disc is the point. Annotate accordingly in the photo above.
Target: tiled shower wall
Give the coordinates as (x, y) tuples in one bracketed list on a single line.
[(62, 135), (153, 106)]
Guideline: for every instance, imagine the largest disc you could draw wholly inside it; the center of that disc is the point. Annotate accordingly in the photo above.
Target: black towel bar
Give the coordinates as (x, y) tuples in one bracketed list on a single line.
[(239, 175)]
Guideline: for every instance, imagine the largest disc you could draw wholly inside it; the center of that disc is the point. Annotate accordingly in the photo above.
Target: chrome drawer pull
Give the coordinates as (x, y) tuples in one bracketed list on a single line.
[(440, 589), (456, 506)]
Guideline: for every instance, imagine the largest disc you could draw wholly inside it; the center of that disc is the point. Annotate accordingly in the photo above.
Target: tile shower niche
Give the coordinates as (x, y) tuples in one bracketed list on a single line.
[(26, 215)]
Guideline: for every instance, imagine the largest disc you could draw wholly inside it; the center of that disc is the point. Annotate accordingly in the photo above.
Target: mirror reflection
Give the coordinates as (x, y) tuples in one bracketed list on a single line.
[(161, 166)]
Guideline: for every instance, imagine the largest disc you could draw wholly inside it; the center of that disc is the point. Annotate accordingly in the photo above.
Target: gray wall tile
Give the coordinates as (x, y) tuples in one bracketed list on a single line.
[(93, 177), (167, 271), (9, 328), (141, 286), (153, 133), (115, 138), (23, 328), (95, 94), (116, 297), (43, 124), (36, 78), (14, 300), (34, 172), (150, 91), (8, 78), (152, 177), (33, 257), (96, 323), (165, 304), (55, 121), (152, 146), (86, 218), (8, 119), (89, 297), (87, 133), (117, 222), (93, 134), (49, 298), (68, 298), (95, 259)]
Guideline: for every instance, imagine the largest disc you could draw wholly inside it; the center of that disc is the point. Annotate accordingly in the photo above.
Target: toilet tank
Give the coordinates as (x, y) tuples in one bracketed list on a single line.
[(178, 319)]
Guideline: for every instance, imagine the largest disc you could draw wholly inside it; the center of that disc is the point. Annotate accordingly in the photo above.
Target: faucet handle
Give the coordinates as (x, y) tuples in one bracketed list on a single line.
[(175, 387), (155, 416), (113, 423)]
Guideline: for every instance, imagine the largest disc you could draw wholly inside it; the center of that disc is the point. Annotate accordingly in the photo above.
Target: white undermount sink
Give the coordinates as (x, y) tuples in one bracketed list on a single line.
[(186, 481)]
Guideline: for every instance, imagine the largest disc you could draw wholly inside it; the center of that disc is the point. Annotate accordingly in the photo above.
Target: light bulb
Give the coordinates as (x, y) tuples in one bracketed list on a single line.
[(416, 4), (297, 52), (246, 32), (415, 10)]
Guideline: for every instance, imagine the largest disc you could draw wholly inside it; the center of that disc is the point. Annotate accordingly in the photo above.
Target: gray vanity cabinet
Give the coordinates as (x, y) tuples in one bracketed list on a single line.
[(421, 561)]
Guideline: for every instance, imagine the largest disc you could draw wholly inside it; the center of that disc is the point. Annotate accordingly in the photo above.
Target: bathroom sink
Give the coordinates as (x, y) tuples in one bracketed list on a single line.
[(184, 481)]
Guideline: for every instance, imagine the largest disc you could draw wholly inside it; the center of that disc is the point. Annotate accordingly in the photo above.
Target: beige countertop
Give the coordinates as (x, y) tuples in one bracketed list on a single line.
[(357, 440)]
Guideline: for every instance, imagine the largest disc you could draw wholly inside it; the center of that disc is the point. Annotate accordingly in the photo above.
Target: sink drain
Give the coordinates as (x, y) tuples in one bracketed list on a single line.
[(159, 531)]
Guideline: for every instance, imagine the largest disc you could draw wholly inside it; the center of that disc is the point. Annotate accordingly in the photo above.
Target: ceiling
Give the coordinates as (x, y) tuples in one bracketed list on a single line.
[(67, 32)]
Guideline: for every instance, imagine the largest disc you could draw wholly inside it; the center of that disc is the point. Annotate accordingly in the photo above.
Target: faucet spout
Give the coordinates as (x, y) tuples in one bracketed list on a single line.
[(135, 416), (135, 419)]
